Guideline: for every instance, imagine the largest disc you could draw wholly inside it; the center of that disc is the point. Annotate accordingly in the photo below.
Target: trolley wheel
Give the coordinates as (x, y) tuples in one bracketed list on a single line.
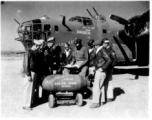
[(51, 100), (79, 99)]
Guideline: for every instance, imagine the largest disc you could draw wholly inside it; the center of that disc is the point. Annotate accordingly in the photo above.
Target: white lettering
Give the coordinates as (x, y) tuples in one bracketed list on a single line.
[(83, 32), (65, 83)]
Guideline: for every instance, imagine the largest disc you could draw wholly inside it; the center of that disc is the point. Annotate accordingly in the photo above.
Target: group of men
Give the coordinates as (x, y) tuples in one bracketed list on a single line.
[(37, 64), (41, 60)]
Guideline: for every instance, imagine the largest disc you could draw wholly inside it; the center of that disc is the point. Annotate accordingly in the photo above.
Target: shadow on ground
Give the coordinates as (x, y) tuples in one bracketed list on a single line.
[(117, 92), (135, 71)]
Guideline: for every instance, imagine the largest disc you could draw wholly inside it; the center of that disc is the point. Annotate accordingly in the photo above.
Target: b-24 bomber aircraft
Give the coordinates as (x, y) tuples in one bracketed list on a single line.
[(131, 44)]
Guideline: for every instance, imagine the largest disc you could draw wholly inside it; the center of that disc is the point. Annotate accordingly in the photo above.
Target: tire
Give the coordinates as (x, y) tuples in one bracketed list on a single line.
[(51, 100), (79, 99)]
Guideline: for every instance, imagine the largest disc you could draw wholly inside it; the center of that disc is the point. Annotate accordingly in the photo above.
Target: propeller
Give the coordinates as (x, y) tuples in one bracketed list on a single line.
[(144, 17), (119, 19), (134, 25), (128, 26)]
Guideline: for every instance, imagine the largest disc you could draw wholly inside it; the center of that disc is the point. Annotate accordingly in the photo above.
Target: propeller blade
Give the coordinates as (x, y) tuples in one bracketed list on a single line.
[(119, 19), (144, 17)]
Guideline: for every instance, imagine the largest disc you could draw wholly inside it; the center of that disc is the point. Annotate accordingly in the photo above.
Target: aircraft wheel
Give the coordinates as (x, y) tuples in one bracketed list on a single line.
[(51, 100), (79, 99)]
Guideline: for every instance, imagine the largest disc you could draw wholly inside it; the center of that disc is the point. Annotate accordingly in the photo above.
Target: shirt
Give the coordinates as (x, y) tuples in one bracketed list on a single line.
[(90, 50), (99, 48), (81, 55), (67, 52)]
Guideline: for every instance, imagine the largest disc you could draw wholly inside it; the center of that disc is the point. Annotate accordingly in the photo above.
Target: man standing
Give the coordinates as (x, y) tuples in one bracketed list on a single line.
[(41, 57), (40, 75), (108, 86), (92, 54), (80, 58), (49, 56), (30, 67), (102, 62)]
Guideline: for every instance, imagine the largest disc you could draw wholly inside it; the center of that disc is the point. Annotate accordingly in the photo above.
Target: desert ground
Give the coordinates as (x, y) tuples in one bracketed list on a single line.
[(131, 97)]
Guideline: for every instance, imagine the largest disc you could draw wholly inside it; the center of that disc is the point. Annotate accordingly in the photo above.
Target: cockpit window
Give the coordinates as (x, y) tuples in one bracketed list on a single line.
[(76, 18), (37, 27), (37, 31), (84, 20), (28, 28), (87, 22)]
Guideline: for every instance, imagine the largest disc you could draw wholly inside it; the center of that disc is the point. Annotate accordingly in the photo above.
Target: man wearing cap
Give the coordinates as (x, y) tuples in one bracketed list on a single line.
[(40, 75), (42, 44), (30, 66), (40, 53), (108, 86), (49, 56), (80, 58), (102, 61)]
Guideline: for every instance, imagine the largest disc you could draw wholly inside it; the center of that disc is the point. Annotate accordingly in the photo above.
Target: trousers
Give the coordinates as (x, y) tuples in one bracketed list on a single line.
[(97, 86), (108, 85), (27, 90), (91, 70)]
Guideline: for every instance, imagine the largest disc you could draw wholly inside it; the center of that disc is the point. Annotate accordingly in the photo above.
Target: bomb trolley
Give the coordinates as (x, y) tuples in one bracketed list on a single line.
[(65, 89)]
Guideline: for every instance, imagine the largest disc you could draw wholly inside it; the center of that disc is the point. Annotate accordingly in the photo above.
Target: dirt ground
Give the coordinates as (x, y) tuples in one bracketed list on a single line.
[(131, 97)]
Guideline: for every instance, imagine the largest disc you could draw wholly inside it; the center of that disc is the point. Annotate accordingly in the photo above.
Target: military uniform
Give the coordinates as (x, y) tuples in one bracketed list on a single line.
[(102, 61), (30, 66), (92, 55), (67, 57), (80, 57), (51, 56), (108, 85)]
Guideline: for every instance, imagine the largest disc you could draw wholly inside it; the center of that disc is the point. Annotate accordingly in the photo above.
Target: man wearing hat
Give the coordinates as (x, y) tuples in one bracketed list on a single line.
[(80, 58), (49, 55), (108, 86), (41, 69), (42, 44), (51, 42), (102, 61), (30, 66)]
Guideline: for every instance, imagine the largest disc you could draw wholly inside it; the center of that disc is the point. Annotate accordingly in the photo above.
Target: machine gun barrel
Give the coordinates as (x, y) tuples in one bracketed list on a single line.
[(89, 13), (16, 21), (95, 11)]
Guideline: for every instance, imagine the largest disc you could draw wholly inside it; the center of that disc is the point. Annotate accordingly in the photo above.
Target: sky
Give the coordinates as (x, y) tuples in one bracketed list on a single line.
[(28, 10)]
